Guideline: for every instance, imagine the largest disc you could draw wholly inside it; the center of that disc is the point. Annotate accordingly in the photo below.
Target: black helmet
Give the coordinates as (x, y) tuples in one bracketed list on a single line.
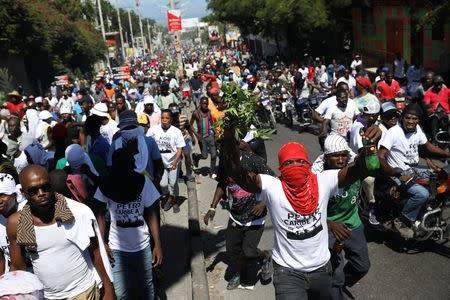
[(438, 80)]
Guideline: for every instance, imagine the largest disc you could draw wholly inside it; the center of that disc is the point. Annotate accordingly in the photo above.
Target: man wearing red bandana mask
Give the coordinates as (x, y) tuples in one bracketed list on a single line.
[(297, 202)]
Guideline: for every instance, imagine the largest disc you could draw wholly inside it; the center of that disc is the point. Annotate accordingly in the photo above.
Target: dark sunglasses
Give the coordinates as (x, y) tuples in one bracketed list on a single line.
[(33, 190)]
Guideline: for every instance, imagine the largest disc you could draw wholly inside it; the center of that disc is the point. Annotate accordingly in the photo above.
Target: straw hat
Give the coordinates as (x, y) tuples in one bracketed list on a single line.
[(14, 94)]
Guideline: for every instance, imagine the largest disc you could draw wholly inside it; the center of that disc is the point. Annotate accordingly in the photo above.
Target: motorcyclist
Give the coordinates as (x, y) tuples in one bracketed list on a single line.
[(436, 103), (399, 156)]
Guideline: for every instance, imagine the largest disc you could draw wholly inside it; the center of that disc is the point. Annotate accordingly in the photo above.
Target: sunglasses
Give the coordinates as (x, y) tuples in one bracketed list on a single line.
[(33, 190)]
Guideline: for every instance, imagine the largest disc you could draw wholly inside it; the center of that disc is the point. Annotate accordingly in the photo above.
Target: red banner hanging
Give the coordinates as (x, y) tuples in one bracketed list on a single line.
[(174, 19)]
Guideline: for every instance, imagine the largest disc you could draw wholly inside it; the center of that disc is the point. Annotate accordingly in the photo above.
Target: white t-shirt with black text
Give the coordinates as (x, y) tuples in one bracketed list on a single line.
[(341, 119), (300, 241), (168, 141), (129, 231), (403, 147)]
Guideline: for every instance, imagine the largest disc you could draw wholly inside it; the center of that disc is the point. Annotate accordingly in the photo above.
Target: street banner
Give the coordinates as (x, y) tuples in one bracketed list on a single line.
[(122, 72), (213, 33), (174, 19), (233, 35), (62, 80)]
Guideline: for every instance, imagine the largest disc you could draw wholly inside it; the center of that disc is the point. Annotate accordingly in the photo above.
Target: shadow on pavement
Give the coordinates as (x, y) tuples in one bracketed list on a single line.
[(400, 245)]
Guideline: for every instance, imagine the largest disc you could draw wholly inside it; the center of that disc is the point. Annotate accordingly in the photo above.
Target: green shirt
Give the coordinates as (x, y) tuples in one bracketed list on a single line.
[(344, 208)]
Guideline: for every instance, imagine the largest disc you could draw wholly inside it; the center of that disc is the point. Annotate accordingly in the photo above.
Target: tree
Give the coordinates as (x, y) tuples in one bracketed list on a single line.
[(52, 36), (295, 20), (437, 12)]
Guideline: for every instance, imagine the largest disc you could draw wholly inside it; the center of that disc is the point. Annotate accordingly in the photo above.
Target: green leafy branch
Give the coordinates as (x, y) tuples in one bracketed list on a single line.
[(240, 114)]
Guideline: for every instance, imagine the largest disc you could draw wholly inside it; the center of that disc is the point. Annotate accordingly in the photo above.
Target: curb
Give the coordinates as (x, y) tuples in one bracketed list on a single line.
[(200, 290)]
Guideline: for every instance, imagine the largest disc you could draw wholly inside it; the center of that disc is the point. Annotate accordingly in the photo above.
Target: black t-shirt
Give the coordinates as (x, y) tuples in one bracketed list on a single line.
[(241, 204), (258, 147), (196, 83)]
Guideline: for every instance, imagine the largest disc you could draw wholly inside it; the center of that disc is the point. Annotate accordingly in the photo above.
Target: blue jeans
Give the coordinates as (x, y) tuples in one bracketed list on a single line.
[(170, 179), (358, 263), (196, 96), (132, 273), (296, 285), (417, 194)]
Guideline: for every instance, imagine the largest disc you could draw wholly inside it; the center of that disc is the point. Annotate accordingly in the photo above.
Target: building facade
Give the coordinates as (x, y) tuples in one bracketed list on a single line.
[(381, 28)]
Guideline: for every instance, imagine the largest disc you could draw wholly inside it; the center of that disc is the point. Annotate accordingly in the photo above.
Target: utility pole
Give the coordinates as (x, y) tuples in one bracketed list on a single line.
[(177, 44), (149, 39), (120, 29), (140, 25), (131, 32), (102, 25)]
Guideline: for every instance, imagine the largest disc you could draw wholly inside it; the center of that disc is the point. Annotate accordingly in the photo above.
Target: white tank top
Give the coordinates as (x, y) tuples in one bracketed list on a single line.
[(60, 265)]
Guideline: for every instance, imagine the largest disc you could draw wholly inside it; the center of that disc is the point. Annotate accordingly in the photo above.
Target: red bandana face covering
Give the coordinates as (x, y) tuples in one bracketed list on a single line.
[(300, 187)]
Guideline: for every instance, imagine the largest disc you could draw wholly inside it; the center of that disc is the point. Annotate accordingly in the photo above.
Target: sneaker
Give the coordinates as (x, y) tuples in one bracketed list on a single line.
[(176, 209), (372, 218), (266, 268), (167, 206), (404, 230), (195, 159), (213, 175), (245, 286), (234, 282)]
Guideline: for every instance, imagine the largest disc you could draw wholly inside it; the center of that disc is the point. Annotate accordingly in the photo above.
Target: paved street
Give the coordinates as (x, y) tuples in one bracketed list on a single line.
[(394, 274)]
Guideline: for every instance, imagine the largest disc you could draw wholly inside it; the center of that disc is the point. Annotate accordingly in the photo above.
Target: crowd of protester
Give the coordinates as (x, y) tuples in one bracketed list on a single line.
[(86, 168)]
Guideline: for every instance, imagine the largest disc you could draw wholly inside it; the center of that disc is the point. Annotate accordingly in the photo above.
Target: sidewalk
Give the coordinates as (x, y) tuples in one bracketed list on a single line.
[(176, 251)]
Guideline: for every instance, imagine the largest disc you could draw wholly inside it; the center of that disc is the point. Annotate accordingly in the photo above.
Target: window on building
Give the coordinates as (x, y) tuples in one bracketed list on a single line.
[(437, 32)]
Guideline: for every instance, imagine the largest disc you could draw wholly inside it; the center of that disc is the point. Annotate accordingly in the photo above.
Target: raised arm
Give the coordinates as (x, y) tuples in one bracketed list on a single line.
[(358, 169), (249, 181)]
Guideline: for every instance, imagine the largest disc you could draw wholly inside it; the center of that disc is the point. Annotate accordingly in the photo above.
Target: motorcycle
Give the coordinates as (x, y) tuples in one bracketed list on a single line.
[(265, 111), (434, 218), (284, 108), (305, 108), (442, 136)]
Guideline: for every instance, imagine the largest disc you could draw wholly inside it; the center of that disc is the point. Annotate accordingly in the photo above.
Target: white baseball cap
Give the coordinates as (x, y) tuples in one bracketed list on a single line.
[(371, 107), (45, 114)]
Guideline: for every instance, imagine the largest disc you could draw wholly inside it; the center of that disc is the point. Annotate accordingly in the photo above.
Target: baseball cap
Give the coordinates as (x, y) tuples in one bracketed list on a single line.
[(45, 114), (143, 119), (100, 109), (371, 107), (387, 106)]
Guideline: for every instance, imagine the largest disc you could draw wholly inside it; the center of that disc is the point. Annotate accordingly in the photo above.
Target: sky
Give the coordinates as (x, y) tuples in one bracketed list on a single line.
[(154, 8)]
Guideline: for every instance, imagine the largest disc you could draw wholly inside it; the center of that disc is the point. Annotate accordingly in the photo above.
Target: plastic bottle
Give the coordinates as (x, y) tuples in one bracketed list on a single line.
[(372, 160)]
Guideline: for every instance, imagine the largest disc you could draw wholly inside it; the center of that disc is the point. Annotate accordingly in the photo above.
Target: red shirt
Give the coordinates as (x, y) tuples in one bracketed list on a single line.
[(388, 91), (13, 107), (441, 98), (211, 79)]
